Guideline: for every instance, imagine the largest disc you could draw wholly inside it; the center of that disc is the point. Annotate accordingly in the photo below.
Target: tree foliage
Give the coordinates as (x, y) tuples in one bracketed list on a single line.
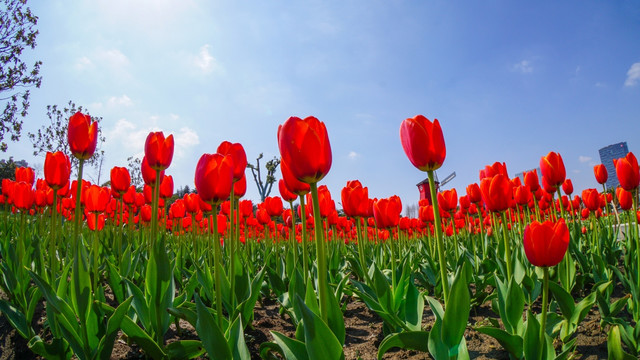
[(134, 165), (17, 32), (53, 137), (264, 188), (8, 168)]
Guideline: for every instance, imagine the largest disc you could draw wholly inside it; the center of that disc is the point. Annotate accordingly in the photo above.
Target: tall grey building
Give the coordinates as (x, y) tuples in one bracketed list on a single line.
[(607, 154)]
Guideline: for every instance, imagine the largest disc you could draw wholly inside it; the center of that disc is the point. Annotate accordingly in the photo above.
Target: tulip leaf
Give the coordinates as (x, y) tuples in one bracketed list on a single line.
[(235, 339), (211, 335), (564, 299), (184, 349), (320, 341), (292, 349), (58, 349), (614, 345), (335, 320), (455, 319), (413, 340), (514, 306), (113, 325), (16, 318), (511, 343)]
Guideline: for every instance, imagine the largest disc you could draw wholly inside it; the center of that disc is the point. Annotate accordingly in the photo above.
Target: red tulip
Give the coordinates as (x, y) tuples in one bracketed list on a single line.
[(423, 142), (158, 150), (552, 168), (591, 199), (129, 196), (492, 170), (95, 224), (304, 146), (531, 180), (567, 187), (166, 187), (214, 177), (624, 198), (240, 187), (192, 202), (521, 195), (448, 200), (82, 136), (238, 155), (25, 174), (57, 169), (473, 191), (273, 206), (149, 174), (496, 192), (355, 199), (96, 198), (285, 193), (387, 212), (628, 172), (600, 171), (22, 195), (246, 208), (325, 202), (545, 244), (120, 179), (293, 184)]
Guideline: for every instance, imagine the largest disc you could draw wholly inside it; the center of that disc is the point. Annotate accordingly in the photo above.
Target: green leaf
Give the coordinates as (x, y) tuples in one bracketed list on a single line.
[(16, 318), (57, 350), (564, 299), (531, 343), (81, 296), (113, 325), (614, 346), (335, 320), (235, 339), (514, 306), (139, 303), (292, 349), (455, 320), (414, 307), (135, 333), (184, 349), (512, 343), (58, 304), (211, 335), (437, 348), (320, 341), (413, 340)]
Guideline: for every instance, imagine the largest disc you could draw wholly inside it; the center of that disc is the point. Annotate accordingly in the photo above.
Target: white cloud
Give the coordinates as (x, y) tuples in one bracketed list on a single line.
[(83, 63), (353, 155), (123, 100), (205, 62), (584, 159), (523, 66), (100, 60), (633, 75), (130, 138)]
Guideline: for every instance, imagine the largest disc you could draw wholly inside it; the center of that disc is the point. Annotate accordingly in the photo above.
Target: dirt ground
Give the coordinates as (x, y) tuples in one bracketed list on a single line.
[(363, 328)]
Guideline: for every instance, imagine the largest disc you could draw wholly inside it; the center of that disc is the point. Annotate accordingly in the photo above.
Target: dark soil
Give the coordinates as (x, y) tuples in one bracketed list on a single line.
[(363, 328)]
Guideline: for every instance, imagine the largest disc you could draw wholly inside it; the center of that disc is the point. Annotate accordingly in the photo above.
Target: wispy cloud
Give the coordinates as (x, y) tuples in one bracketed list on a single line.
[(353, 155), (524, 66), (633, 75), (100, 59), (204, 62), (117, 101), (584, 159)]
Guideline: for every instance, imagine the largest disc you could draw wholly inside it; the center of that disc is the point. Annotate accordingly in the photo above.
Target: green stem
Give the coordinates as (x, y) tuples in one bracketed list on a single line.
[(217, 264), (292, 236), (53, 266), (78, 210), (305, 254), (363, 264), (439, 242), (232, 247), (545, 304), (507, 246), (320, 254)]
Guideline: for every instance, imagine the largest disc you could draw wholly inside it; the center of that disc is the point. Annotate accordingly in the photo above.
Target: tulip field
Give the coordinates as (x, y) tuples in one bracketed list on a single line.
[(506, 268)]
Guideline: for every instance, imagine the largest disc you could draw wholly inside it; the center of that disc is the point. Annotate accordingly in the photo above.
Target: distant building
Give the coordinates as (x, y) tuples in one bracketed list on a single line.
[(607, 155)]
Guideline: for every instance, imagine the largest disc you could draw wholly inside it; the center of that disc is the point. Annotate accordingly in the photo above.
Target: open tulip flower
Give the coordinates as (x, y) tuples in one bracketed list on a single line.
[(552, 168)]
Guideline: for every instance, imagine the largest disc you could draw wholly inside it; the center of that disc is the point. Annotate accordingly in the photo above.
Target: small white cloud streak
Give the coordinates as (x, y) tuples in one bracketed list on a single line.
[(123, 100), (523, 66), (633, 75), (205, 62), (584, 159), (353, 155)]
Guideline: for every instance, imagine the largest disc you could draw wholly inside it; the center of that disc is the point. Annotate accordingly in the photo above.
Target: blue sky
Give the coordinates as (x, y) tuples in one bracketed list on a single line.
[(509, 81)]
